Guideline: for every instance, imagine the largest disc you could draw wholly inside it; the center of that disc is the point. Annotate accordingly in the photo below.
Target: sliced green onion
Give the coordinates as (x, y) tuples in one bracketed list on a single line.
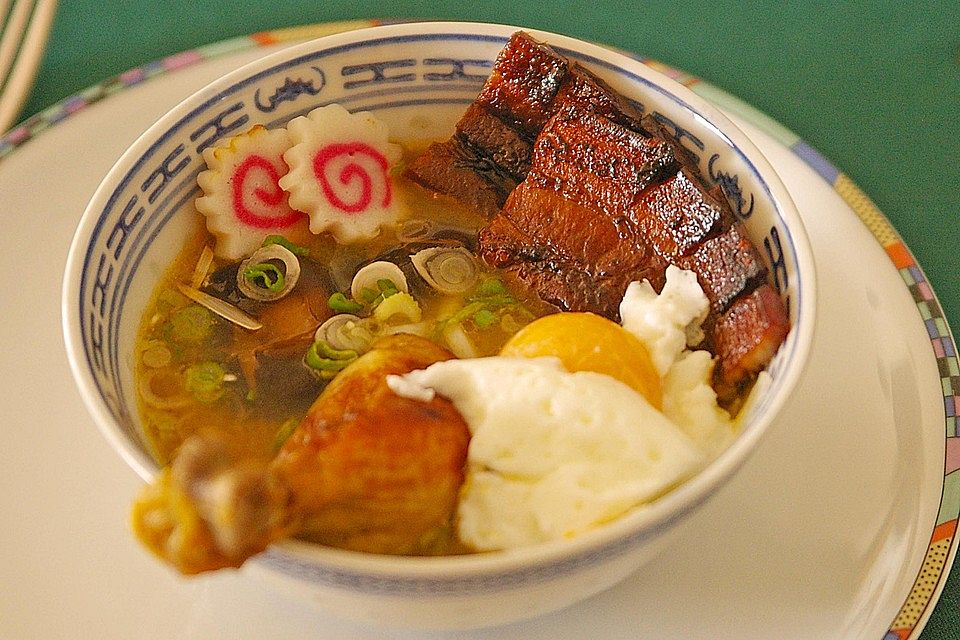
[(387, 287), (323, 348), (366, 284), (170, 299), (448, 270), (497, 301), (265, 275), (339, 303), (204, 381), (490, 287), (155, 354), (283, 434), (269, 274), (223, 309), (400, 305), (295, 249), (484, 318), (326, 360), (369, 295), (490, 296), (465, 313), (191, 324)]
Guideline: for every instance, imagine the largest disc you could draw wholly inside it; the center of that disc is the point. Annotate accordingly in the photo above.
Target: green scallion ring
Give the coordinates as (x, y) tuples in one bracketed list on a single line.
[(265, 276), (340, 303)]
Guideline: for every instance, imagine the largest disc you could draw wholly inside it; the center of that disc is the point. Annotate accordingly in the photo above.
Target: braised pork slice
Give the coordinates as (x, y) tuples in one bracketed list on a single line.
[(747, 336), (456, 170), (567, 230), (726, 265), (490, 151), (604, 205), (566, 254), (586, 194)]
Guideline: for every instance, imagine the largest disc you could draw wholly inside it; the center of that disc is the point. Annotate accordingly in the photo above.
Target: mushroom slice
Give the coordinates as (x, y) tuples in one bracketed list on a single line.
[(269, 274), (370, 277), (449, 270), (346, 331)]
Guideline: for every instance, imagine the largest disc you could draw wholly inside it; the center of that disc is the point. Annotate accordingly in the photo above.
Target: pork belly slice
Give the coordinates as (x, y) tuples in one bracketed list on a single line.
[(620, 175), (656, 129), (530, 81), (629, 178), (603, 201), (494, 138), (557, 279), (593, 161), (525, 79), (573, 257), (726, 265), (451, 169), (490, 151), (678, 215), (491, 138), (584, 89), (747, 337), (687, 160)]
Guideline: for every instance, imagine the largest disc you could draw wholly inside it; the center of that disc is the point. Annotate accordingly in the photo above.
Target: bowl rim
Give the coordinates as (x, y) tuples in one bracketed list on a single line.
[(641, 523)]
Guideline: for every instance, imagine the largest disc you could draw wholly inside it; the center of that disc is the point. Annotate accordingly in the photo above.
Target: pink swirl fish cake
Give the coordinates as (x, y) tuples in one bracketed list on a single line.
[(340, 172), (242, 200)]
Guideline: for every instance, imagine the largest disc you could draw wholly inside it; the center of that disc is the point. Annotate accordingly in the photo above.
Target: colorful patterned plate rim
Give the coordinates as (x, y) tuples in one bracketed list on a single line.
[(942, 547)]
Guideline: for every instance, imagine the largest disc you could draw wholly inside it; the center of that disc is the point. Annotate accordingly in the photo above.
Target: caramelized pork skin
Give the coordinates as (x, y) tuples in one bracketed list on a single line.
[(602, 206), (586, 195), (491, 150), (365, 470)]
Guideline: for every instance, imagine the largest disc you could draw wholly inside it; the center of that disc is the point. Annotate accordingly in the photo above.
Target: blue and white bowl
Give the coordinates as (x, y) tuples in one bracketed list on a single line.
[(418, 78)]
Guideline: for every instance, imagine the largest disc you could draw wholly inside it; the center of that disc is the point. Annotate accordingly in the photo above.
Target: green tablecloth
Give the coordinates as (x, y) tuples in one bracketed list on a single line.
[(874, 86)]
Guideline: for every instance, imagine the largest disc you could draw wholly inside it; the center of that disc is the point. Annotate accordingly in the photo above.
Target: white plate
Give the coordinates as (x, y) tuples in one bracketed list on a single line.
[(822, 535)]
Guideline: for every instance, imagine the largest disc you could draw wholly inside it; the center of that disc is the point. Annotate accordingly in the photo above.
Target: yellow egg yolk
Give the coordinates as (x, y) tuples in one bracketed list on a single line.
[(588, 342)]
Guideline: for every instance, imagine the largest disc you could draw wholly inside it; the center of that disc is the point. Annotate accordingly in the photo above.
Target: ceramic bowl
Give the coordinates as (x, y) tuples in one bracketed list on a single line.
[(418, 78)]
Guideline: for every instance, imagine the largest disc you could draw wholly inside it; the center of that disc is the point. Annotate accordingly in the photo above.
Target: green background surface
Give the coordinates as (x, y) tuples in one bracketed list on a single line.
[(874, 86)]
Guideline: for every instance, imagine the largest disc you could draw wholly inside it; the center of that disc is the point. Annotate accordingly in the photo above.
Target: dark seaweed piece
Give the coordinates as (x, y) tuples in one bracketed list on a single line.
[(222, 284), (400, 255), (314, 277), (285, 386)]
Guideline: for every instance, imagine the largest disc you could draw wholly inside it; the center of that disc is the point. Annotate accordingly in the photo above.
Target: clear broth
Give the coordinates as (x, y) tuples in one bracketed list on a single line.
[(182, 348)]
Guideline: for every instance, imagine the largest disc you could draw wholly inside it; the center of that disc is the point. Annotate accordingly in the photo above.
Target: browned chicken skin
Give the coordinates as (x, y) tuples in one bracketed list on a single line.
[(369, 470), (366, 470)]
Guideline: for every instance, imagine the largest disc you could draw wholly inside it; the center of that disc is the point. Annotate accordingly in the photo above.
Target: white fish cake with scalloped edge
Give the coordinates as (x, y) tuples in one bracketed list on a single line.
[(242, 200), (340, 172)]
